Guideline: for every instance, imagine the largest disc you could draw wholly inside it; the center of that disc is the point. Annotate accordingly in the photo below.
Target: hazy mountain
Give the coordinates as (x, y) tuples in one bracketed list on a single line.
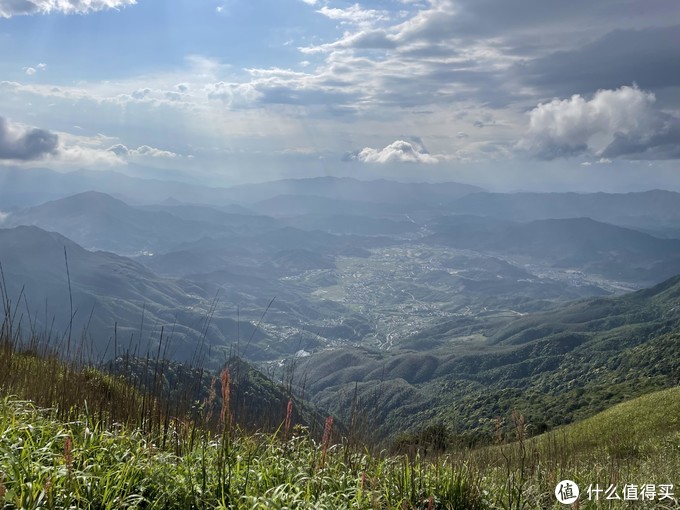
[(25, 187), (378, 191), (270, 253), (353, 224), (106, 289), (98, 221), (656, 210), (608, 250), (34, 184), (286, 206), (197, 211), (233, 217)]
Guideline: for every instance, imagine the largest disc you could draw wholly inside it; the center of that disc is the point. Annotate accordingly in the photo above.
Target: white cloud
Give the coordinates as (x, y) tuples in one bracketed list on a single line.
[(122, 151), (353, 14), (30, 71), (232, 94), (9, 8), (620, 122), (145, 150), (3, 216), (399, 151), (81, 156)]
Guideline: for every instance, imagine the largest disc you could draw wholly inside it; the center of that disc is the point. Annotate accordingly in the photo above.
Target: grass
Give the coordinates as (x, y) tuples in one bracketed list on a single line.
[(48, 462), (123, 469), (635, 426)]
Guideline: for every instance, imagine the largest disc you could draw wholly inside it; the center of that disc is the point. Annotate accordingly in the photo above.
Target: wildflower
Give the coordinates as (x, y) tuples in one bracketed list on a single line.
[(327, 431), (225, 415), (325, 441), (68, 455), (48, 489)]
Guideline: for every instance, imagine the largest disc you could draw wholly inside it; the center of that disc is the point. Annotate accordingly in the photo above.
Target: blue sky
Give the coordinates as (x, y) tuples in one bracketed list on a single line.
[(529, 94)]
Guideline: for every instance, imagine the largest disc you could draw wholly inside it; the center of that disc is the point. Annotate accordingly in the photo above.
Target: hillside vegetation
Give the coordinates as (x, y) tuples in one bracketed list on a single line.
[(555, 367)]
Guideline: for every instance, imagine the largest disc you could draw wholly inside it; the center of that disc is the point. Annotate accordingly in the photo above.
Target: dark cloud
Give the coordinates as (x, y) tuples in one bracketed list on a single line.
[(9, 8), (664, 144), (25, 144), (482, 19), (566, 47), (647, 57)]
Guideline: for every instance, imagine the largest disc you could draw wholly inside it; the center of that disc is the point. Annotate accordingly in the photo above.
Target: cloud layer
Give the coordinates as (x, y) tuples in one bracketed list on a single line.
[(25, 144), (9, 8)]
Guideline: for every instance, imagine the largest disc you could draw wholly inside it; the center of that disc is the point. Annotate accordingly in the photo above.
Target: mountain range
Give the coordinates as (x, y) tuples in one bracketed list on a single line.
[(419, 302)]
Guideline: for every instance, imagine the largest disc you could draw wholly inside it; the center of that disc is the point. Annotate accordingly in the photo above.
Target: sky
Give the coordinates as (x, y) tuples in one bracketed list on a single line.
[(509, 95)]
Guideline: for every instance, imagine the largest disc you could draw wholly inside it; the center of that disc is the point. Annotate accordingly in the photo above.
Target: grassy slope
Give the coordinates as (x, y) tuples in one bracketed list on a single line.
[(637, 425), (634, 442)]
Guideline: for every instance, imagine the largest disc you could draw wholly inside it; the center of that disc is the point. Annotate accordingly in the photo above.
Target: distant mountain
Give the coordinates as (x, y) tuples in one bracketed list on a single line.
[(378, 191), (98, 221), (199, 212), (20, 187), (353, 223), (273, 254), (322, 212), (612, 251), (654, 310), (287, 206), (26, 187), (229, 218), (656, 210), (107, 290)]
